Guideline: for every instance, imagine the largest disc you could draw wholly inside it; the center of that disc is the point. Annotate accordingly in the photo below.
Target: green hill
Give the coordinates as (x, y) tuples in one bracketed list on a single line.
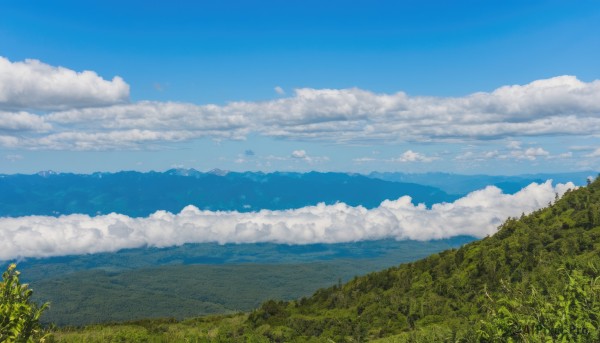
[(535, 280)]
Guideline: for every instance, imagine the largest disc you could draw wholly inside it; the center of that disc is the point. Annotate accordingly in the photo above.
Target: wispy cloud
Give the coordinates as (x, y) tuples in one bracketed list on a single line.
[(529, 154), (13, 157), (595, 153), (279, 90), (408, 156), (516, 153), (364, 159), (477, 214), (411, 156), (302, 155)]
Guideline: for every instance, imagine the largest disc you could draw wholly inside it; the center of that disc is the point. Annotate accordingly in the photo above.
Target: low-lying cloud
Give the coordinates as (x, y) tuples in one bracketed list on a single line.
[(477, 214)]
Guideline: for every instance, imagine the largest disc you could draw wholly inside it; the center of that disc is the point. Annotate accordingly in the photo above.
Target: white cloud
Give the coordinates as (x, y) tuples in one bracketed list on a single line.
[(131, 139), (564, 155), (581, 147), (364, 159), (513, 145), (467, 155), (300, 154), (480, 156), (490, 154), (478, 214), (9, 141), (408, 156), (275, 158), (208, 120), (595, 153), (22, 121), (279, 90), (529, 154), (32, 84), (411, 156), (91, 109)]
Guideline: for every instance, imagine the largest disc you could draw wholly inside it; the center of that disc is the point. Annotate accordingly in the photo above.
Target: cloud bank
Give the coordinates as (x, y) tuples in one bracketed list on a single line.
[(561, 105), (477, 214), (86, 112)]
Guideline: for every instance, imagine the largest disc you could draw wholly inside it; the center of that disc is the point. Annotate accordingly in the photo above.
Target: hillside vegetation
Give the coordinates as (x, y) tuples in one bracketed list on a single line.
[(207, 278), (535, 280)]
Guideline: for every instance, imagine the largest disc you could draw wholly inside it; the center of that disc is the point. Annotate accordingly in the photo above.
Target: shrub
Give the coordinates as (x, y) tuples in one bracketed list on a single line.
[(570, 315), (19, 316)]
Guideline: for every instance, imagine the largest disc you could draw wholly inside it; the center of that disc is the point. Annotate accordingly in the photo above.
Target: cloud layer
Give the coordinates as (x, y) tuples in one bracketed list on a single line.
[(477, 214), (86, 112)]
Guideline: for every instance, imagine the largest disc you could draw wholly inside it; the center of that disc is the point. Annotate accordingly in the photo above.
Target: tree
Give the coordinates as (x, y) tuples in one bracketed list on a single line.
[(19, 315), (569, 315)]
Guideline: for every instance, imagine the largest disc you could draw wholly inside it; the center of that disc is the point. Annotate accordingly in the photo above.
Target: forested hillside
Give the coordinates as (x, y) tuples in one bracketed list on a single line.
[(535, 280), (447, 291), (200, 279)]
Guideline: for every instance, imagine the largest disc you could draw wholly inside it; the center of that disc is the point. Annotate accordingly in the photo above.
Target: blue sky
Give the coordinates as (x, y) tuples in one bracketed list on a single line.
[(354, 86)]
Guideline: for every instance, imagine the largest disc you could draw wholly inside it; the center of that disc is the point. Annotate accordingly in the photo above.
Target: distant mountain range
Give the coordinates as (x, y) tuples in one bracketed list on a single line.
[(140, 194), (463, 184)]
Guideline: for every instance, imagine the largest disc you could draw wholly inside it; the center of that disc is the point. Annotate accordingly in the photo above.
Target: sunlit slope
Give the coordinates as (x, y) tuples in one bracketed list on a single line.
[(446, 291)]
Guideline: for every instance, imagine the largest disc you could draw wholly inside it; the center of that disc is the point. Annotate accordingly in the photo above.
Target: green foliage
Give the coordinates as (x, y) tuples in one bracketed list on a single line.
[(570, 315), (172, 282), (218, 329), (19, 316)]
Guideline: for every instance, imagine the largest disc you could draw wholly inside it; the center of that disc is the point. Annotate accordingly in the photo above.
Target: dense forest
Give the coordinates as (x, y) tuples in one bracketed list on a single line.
[(201, 279), (536, 280)]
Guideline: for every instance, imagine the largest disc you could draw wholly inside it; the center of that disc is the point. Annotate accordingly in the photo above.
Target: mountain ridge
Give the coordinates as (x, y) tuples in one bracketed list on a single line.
[(140, 194)]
